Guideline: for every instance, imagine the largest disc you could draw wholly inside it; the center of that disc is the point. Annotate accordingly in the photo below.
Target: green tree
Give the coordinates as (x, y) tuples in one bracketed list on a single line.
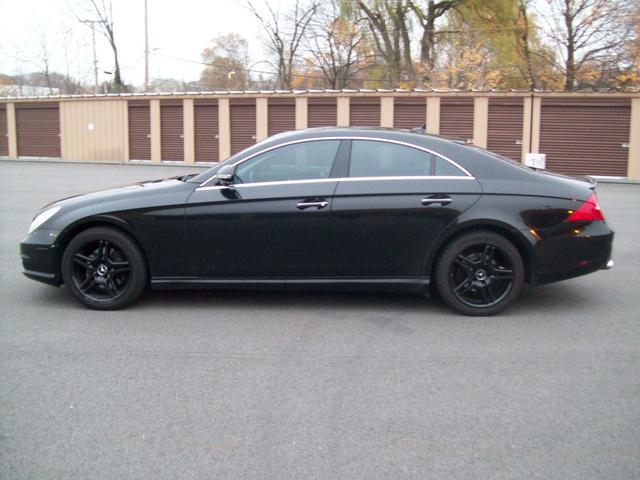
[(227, 61), (504, 38)]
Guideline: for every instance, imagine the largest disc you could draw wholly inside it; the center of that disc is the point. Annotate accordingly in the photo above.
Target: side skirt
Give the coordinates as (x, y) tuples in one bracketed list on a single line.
[(412, 285)]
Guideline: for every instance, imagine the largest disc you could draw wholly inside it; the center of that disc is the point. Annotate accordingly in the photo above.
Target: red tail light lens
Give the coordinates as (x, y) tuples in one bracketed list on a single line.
[(589, 211)]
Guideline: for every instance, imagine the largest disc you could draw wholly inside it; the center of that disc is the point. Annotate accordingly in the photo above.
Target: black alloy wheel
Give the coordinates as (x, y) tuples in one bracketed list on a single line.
[(104, 268), (479, 273)]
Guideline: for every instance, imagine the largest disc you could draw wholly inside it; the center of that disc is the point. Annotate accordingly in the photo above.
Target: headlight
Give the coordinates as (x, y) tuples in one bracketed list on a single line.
[(43, 217)]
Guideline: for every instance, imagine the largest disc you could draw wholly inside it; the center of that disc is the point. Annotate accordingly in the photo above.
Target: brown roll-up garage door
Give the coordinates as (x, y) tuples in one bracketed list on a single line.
[(172, 130), (206, 130), (243, 124), (4, 132), (504, 131), (282, 115), (38, 129), (364, 112), (322, 112), (456, 118), (585, 136), (410, 112), (139, 130)]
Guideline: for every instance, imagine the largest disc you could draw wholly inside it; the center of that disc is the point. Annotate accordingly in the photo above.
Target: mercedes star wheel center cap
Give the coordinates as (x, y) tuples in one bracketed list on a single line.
[(481, 274)]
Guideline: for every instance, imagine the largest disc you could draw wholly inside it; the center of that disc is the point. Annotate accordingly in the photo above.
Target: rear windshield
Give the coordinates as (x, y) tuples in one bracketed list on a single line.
[(500, 157)]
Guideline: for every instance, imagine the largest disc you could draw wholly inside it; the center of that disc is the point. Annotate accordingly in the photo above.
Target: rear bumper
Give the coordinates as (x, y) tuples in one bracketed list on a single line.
[(571, 250), (39, 257)]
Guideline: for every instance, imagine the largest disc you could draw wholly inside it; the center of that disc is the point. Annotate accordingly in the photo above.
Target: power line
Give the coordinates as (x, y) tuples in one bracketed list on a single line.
[(230, 68), (483, 69)]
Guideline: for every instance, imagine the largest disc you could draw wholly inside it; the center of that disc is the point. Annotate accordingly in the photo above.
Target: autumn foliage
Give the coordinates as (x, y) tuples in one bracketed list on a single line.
[(440, 44)]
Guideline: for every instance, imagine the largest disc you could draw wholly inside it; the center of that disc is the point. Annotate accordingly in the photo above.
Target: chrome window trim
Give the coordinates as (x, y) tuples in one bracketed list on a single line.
[(349, 137), (336, 179)]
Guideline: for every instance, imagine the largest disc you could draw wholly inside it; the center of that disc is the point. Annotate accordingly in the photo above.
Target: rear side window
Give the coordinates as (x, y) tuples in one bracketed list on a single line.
[(300, 161), (370, 158), (447, 169)]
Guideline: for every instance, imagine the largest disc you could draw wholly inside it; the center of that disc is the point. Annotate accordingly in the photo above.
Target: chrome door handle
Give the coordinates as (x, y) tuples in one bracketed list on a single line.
[(435, 200), (318, 205)]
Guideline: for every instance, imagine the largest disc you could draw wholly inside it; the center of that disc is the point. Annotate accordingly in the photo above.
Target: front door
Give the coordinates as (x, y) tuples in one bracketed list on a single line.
[(273, 222)]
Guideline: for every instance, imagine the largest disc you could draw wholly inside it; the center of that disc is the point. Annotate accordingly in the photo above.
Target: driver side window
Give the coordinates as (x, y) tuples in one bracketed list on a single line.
[(300, 161)]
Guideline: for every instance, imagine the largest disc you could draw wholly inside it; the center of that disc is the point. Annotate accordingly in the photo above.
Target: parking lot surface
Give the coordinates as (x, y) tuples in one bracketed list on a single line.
[(213, 385)]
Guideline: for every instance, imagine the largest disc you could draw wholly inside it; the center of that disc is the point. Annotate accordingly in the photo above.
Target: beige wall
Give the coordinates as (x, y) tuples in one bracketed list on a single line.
[(94, 131), (480, 121), (433, 115), (386, 111), (633, 168), (108, 140), (11, 130)]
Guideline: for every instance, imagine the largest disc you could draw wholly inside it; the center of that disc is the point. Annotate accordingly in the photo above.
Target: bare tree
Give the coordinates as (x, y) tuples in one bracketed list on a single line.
[(45, 59), (104, 11), (70, 85), (427, 16), (586, 34), (390, 24), (339, 45), (284, 34)]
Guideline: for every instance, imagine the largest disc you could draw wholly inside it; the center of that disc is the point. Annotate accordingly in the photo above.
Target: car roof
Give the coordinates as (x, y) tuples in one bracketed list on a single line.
[(477, 161)]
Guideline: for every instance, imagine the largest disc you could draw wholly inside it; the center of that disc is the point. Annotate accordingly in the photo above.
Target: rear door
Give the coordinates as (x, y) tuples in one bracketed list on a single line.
[(395, 201), (273, 222)]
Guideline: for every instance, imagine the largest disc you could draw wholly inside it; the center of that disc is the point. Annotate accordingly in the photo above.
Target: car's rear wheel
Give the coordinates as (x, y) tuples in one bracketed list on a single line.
[(479, 273), (104, 268)]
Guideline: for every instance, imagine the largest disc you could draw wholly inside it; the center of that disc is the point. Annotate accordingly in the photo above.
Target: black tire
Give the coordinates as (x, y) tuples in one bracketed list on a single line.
[(479, 273), (104, 268)]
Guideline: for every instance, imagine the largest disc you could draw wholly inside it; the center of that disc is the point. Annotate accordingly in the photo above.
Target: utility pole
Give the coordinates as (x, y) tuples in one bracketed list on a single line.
[(146, 47), (91, 25), (95, 61)]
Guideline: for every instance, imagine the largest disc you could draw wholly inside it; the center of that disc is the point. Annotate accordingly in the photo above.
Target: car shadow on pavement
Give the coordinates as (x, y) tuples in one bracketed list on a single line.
[(559, 296), (532, 299)]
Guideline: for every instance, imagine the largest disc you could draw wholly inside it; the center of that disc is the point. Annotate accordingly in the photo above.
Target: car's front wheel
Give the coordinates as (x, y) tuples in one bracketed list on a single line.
[(479, 273), (104, 268)]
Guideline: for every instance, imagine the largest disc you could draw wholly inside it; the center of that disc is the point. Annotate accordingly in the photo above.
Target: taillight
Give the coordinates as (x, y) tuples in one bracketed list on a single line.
[(589, 211)]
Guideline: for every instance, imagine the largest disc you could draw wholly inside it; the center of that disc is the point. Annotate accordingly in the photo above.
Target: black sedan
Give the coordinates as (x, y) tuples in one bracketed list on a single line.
[(329, 208)]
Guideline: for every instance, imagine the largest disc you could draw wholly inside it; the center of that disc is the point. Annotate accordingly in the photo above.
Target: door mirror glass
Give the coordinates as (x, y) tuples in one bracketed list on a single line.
[(225, 175)]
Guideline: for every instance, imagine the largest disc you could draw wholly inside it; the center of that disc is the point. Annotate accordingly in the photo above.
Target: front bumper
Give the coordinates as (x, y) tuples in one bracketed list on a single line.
[(39, 255)]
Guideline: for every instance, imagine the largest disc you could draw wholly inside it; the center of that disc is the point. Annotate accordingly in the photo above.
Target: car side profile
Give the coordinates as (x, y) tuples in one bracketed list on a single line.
[(332, 209)]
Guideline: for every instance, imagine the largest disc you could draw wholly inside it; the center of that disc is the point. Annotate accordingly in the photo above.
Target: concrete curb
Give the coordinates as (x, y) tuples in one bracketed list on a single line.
[(131, 162)]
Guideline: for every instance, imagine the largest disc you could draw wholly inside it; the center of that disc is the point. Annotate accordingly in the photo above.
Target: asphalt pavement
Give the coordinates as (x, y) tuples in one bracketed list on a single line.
[(246, 385)]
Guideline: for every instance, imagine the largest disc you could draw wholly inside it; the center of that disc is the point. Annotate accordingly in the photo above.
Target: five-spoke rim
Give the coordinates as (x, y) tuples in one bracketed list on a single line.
[(481, 275), (101, 271)]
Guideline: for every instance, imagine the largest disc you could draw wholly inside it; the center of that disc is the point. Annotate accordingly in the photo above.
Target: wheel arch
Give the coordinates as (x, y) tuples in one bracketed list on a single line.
[(522, 244), (85, 224)]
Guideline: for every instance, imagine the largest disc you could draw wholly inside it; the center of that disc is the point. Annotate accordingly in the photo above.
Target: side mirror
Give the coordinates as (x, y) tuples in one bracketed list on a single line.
[(226, 175)]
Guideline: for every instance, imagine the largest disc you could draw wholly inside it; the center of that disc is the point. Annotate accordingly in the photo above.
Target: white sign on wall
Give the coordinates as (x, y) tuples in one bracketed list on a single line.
[(536, 160)]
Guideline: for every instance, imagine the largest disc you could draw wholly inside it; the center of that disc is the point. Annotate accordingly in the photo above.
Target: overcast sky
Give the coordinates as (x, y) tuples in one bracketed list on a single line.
[(176, 28)]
